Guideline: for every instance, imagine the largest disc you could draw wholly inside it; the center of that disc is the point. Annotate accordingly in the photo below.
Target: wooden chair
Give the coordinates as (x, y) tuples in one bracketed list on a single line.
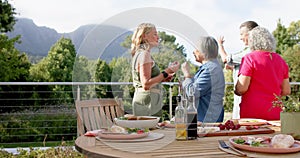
[(97, 113)]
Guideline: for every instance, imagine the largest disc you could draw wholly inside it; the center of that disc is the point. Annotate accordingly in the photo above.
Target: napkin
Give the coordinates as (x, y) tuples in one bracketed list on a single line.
[(93, 133)]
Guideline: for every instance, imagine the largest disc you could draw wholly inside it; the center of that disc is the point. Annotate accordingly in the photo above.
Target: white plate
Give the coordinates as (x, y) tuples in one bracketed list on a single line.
[(267, 149), (252, 122)]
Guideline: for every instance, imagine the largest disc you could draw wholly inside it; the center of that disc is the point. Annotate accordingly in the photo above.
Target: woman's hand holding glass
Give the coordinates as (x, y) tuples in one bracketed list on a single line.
[(185, 68), (171, 70), (173, 67)]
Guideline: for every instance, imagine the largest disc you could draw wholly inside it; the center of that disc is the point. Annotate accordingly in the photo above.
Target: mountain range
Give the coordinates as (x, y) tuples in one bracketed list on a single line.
[(37, 40)]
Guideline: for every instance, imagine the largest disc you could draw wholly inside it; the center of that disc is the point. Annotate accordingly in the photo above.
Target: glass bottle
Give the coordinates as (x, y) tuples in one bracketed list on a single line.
[(191, 116), (180, 124)]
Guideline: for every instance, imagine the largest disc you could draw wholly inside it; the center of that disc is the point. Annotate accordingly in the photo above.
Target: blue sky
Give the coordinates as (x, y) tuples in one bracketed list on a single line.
[(217, 17)]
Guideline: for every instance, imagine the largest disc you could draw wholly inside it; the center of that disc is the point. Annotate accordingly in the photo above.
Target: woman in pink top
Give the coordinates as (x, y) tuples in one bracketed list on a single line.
[(263, 74)]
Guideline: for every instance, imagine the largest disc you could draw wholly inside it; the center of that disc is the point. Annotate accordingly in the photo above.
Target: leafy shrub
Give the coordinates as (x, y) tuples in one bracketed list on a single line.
[(57, 152), (228, 96), (287, 103)]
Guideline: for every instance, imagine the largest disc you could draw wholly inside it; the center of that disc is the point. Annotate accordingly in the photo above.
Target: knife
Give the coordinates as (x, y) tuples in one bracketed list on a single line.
[(224, 145)]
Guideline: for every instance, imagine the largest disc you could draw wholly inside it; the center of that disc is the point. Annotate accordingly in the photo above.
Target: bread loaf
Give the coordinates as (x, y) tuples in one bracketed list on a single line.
[(130, 117), (282, 141), (146, 118), (117, 129)]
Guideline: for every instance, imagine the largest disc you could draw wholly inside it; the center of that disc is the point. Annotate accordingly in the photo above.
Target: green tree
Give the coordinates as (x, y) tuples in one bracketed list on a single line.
[(60, 61), (169, 41), (38, 72), (57, 66), (127, 42), (288, 40), (7, 19), (103, 74), (121, 72), (292, 57), (294, 32), (122, 66), (81, 73), (14, 66), (282, 38)]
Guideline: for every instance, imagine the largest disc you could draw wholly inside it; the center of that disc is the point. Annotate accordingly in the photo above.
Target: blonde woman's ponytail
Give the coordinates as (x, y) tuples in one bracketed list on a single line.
[(137, 37)]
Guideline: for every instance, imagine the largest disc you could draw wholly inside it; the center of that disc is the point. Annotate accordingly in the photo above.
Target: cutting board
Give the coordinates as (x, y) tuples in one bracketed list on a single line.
[(241, 131)]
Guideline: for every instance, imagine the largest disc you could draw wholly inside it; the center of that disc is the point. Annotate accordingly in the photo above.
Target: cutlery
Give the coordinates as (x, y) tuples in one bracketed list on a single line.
[(224, 145)]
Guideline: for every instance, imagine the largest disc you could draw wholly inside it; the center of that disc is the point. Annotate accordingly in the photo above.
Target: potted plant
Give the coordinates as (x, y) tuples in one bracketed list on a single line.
[(290, 115)]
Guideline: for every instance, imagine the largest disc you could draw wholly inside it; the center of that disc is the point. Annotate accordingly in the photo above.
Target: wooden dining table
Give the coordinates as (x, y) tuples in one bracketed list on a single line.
[(165, 147)]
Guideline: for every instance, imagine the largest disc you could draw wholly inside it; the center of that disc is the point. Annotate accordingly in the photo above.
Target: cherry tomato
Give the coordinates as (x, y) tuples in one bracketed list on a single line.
[(237, 126), (252, 127), (221, 126), (256, 127)]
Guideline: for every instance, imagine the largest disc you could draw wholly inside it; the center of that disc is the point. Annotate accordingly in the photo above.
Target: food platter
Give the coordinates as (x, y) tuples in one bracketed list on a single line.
[(252, 122), (265, 149)]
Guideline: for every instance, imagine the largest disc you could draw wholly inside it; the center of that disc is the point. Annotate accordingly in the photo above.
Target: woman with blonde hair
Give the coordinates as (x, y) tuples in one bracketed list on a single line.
[(146, 74)]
